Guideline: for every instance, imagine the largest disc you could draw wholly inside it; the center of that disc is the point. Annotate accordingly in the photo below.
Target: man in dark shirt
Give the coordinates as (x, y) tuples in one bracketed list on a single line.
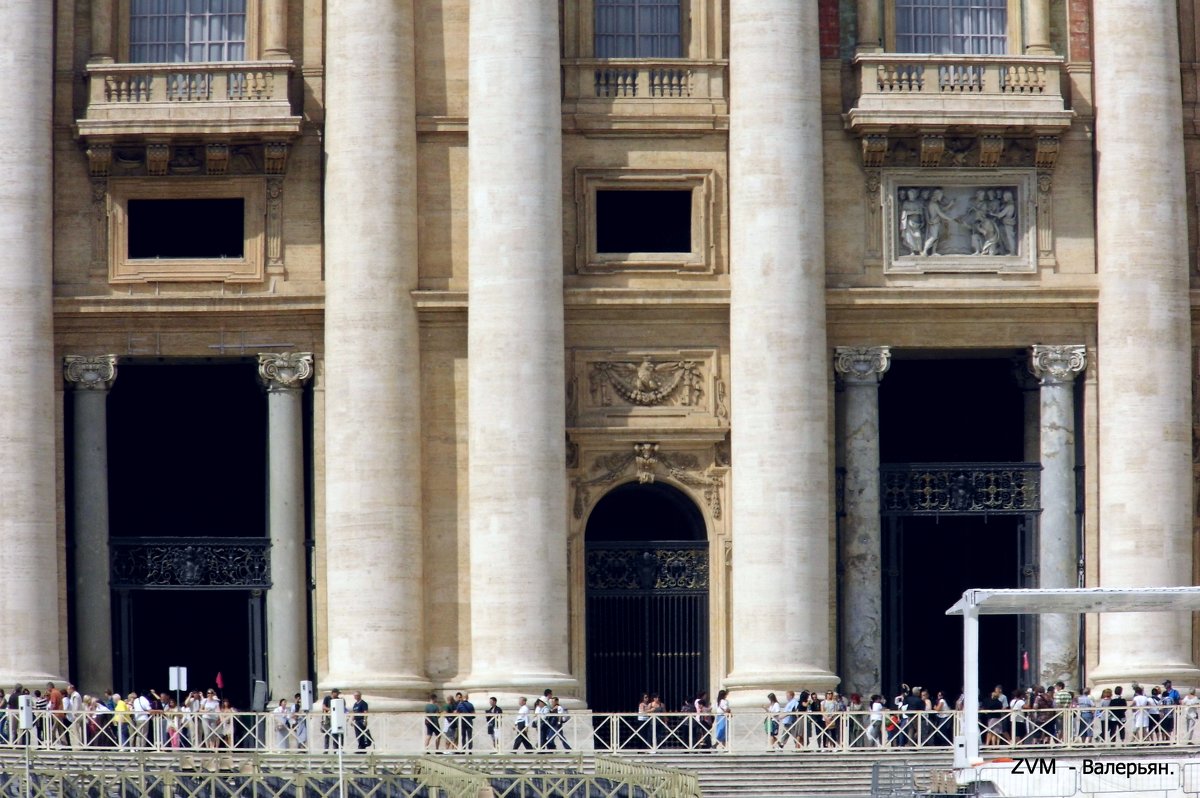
[(466, 714), (1116, 715)]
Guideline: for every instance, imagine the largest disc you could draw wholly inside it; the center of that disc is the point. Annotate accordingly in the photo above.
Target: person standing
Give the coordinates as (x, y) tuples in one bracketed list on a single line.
[(333, 739), (362, 734), (283, 725), (73, 709), (466, 719), (1116, 715), (721, 730), (432, 732), (521, 738), (493, 713), (541, 711), (210, 718), (559, 720), (300, 723)]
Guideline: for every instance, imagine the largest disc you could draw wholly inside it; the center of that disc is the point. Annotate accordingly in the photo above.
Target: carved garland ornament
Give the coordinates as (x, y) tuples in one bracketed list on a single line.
[(648, 460), (647, 383)]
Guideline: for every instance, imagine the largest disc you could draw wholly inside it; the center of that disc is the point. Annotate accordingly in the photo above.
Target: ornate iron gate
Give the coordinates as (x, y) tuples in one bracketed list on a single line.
[(647, 623)]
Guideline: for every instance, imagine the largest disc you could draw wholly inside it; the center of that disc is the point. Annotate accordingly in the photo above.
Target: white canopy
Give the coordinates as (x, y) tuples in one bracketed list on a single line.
[(1076, 600)]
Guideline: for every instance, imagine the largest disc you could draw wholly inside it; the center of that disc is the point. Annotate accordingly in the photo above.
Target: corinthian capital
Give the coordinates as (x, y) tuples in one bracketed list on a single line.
[(285, 371), (90, 372), (1057, 364), (861, 364)]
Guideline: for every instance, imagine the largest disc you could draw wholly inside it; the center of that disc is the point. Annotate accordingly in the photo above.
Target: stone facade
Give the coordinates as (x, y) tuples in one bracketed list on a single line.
[(835, 207)]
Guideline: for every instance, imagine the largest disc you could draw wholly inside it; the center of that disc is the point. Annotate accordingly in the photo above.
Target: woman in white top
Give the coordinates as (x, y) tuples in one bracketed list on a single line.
[(1190, 706), (875, 732), (1141, 715), (721, 732), (1016, 709), (772, 725), (282, 720)]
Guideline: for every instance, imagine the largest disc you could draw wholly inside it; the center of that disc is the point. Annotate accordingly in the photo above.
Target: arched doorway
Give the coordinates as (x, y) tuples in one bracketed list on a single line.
[(647, 597)]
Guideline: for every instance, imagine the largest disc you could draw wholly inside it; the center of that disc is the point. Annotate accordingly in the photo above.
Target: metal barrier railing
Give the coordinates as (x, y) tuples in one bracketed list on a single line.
[(406, 733)]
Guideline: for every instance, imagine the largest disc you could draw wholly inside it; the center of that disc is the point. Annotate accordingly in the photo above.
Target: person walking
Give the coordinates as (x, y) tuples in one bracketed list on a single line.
[(522, 724), (362, 734), (493, 713)]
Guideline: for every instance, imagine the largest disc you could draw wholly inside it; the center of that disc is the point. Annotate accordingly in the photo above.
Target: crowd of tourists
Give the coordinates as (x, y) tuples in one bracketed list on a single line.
[(450, 726)]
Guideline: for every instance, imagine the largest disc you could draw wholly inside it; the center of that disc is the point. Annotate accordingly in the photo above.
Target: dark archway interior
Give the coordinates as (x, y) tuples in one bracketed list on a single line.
[(647, 620), (187, 451), (653, 511), (951, 410), (188, 458)]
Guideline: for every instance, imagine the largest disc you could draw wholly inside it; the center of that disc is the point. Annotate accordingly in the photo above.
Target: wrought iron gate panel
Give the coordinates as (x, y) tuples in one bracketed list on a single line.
[(647, 623)]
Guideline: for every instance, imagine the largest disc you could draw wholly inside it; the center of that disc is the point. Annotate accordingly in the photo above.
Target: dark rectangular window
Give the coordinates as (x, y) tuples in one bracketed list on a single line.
[(186, 228), (638, 29), (643, 221)]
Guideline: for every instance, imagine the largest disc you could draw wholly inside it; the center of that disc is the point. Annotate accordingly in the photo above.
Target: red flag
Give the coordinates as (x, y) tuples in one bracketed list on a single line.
[(221, 682), (1024, 661)]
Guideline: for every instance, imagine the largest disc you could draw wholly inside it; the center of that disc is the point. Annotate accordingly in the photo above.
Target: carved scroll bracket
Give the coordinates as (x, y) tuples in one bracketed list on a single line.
[(647, 462)]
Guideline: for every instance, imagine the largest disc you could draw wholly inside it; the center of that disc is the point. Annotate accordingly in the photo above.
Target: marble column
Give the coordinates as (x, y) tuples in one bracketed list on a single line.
[(1143, 338), (374, 574), (1037, 27), (870, 27), (781, 498), (515, 343), (90, 379), (860, 370), (31, 587), (274, 30), (1056, 368), (103, 13), (284, 375)]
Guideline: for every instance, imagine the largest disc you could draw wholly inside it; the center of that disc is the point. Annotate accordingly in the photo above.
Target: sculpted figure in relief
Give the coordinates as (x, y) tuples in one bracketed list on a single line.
[(912, 223), (935, 217)]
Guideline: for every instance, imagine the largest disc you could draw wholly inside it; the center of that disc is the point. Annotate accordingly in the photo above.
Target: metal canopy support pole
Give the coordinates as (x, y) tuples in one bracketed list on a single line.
[(970, 720)]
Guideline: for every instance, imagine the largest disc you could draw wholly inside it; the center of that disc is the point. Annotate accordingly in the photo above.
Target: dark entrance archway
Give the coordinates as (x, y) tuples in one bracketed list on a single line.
[(188, 524), (647, 598)]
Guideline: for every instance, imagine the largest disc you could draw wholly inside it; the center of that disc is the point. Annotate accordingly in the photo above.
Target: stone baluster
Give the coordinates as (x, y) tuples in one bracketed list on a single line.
[(781, 493), (860, 370), (284, 376), (374, 571), (1143, 337), (515, 342), (1056, 368), (30, 590), (90, 379)]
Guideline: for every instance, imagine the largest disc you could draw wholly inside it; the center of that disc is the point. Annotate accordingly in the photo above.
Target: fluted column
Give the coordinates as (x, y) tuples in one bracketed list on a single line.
[(274, 30), (781, 493), (870, 27), (1056, 368), (373, 522), (284, 376), (90, 379), (1037, 27), (29, 589), (103, 13), (860, 370), (1144, 337), (516, 416)]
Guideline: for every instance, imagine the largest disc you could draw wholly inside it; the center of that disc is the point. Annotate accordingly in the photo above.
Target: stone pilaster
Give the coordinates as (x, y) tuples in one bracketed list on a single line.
[(374, 571), (1037, 27), (284, 376), (103, 14), (1143, 337), (870, 27), (29, 541), (781, 494), (274, 30), (1056, 368), (860, 369), (90, 378), (515, 342)]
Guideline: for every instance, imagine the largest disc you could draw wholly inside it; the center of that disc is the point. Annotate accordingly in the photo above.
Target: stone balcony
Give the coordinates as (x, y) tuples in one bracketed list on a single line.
[(223, 101), (907, 94), (645, 93)]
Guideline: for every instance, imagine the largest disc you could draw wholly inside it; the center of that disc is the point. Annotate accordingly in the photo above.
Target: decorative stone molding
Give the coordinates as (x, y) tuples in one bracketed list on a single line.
[(99, 261), (990, 150), (275, 154), (275, 226), (99, 159), (646, 461), (985, 150), (874, 248), (874, 151), (90, 372), (604, 386), (158, 157), (190, 563), (1057, 364), (932, 148), (216, 159), (864, 365), (1046, 154), (1045, 219), (959, 221), (285, 371)]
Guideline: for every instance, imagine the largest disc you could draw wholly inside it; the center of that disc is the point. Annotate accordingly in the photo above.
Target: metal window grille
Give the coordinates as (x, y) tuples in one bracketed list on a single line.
[(177, 31), (969, 27), (638, 29)]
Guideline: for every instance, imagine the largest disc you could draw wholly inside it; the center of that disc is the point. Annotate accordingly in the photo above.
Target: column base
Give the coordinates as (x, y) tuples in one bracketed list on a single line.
[(382, 692), (1183, 675), (30, 680), (508, 687), (750, 689)]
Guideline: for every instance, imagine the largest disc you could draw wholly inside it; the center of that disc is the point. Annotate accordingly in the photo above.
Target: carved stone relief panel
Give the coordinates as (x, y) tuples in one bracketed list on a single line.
[(618, 386), (948, 220)]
